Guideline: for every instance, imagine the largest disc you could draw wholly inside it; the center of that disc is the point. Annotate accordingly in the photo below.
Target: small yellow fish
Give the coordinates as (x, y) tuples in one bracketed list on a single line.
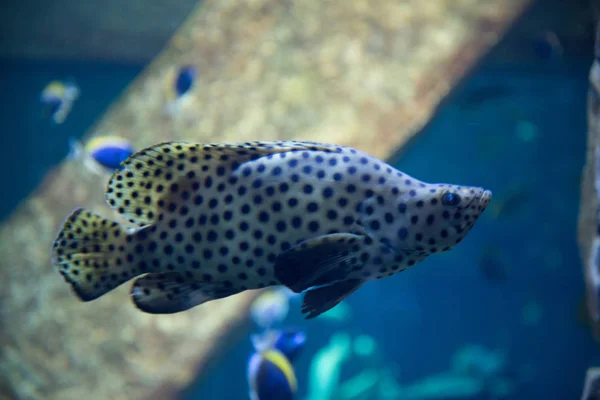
[(217, 219), (57, 99)]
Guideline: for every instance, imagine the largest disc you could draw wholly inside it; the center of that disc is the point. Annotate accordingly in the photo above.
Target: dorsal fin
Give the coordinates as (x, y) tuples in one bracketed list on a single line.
[(150, 177)]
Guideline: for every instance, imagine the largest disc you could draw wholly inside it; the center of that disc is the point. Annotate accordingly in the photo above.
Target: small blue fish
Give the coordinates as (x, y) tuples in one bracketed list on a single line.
[(103, 153), (289, 342), (57, 99), (109, 151), (184, 80), (179, 83), (271, 376)]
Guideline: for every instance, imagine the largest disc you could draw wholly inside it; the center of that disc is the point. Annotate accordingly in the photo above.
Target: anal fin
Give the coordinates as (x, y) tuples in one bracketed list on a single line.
[(171, 292), (319, 261), (317, 301)]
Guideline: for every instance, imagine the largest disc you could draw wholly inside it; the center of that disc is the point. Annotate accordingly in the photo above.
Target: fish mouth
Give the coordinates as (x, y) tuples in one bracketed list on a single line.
[(481, 199), (485, 198), (474, 208)]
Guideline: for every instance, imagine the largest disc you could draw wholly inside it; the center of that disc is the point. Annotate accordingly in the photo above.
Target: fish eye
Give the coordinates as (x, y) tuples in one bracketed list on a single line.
[(450, 199)]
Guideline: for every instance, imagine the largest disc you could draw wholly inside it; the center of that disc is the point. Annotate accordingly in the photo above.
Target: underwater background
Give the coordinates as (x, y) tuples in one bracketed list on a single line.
[(512, 290), (514, 286)]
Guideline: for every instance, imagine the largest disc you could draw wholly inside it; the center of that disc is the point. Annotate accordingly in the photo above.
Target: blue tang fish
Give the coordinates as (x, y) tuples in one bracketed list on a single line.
[(109, 151), (179, 83), (102, 153), (289, 341), (271, 376), (184, 80)]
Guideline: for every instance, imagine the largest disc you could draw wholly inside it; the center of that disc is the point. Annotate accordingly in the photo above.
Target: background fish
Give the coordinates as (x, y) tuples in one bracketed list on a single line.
[(218, 219), (289, 341), (57, 99), (179, 84), (271, 376), (184, 80), (101, 154), (270, 308)]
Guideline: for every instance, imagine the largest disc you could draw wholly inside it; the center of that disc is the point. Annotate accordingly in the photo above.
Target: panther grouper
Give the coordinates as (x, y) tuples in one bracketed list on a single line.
[(213, 220)]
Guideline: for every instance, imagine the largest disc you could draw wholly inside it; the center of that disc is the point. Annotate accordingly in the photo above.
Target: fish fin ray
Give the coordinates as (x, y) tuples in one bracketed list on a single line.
[(171, 292), (319, 261), (317, 301), (155, 177), (85, 252)]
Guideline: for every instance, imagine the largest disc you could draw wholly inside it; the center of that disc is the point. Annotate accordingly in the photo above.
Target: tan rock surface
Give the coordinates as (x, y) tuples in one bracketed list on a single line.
[(366, 73)]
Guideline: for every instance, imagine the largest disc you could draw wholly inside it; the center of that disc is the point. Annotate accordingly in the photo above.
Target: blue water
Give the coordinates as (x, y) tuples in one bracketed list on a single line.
[(33, 144), (474, 140), (538, 240)]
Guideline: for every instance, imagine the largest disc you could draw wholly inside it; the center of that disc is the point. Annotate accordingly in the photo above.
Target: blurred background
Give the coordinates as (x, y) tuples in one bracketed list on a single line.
[(502, 316)]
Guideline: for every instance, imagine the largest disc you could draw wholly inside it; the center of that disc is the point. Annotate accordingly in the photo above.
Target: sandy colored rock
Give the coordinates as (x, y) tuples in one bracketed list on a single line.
[(363, 73)]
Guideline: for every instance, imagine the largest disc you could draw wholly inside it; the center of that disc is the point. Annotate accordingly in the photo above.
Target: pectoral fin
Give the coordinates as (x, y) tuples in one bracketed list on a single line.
[(319, 261), (317, 301)]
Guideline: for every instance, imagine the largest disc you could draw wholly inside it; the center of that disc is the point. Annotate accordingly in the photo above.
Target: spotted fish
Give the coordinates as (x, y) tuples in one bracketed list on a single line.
[(213, 220)]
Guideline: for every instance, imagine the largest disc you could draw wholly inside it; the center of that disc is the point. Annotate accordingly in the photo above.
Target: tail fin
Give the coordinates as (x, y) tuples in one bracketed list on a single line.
[(91, 253)]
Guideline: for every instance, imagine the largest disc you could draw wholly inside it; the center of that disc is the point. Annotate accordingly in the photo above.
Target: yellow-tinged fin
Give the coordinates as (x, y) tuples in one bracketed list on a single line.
[(280, 361), (91, 253), (170, 173)]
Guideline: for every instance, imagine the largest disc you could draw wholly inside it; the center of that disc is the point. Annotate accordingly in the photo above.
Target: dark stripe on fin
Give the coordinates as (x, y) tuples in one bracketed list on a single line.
[(86, 253), (160, 175), (170, 292), (319, 261), (317, 301)]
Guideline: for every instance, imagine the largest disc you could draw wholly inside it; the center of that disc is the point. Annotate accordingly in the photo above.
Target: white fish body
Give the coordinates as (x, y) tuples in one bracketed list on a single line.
[(219, 219)]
